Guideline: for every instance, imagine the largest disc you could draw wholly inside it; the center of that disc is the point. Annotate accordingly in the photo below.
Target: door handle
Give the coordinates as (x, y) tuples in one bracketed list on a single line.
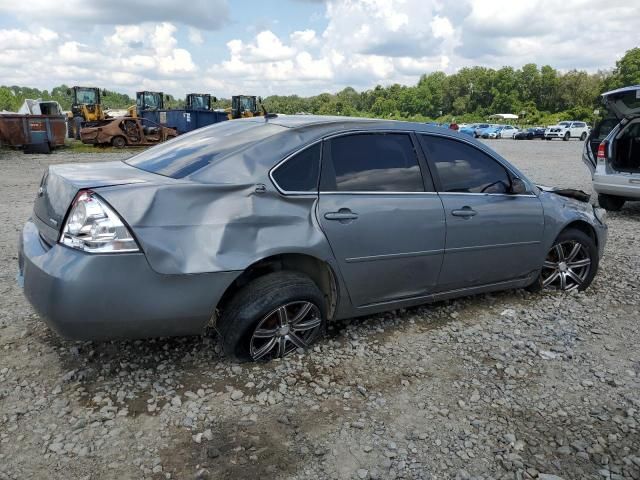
[(465, 212), (342, 215)]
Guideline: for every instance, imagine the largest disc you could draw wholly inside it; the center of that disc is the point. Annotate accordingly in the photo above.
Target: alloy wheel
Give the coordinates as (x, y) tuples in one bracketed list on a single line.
[(566, 267), (285, 329)]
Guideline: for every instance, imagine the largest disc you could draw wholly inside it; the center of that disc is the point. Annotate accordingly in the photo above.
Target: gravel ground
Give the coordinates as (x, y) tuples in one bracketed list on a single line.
[(508, 385)]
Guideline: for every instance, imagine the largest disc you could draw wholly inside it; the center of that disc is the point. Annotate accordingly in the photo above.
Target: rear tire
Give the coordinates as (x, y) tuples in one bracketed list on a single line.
[(610, 202), (119, 142), (263, 320), (565, 268)]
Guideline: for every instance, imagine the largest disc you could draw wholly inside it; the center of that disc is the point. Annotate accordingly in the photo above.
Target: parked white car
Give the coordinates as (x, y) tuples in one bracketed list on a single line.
[(567, 130), (508, 131)]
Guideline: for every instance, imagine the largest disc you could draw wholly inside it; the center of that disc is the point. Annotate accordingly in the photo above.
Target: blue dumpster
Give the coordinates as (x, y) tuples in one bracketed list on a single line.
[(185, 120)]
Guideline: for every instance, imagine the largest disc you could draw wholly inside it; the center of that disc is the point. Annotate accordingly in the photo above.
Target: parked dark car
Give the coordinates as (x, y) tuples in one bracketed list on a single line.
[(268, 228), (530, 134)]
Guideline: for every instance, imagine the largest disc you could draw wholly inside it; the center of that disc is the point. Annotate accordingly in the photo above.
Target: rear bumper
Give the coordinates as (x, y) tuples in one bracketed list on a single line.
[(621, 185), (94, 297)]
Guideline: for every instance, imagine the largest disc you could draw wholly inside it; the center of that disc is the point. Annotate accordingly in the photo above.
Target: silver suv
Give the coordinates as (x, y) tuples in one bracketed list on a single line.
[(613, 150)]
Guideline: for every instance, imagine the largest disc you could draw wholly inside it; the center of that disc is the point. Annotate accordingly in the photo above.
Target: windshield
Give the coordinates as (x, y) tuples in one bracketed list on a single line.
[(86, 96), (247, 104), (149, 100), (197, 102), (191, 152), (564, 124)]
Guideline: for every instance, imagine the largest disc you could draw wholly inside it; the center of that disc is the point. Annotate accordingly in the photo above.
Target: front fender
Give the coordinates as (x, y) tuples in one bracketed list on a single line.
[(560, 212)]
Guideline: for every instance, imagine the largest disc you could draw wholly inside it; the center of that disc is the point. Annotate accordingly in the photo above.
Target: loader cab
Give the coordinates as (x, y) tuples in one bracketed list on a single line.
[(244, 106), (85, 99), (199, 101), (149, 101)]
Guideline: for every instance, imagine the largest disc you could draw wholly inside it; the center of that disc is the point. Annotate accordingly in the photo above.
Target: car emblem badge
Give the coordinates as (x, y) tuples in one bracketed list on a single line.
[(41, 191)]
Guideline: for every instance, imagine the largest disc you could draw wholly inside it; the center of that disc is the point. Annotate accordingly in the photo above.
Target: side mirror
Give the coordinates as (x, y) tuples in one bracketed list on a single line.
[(68, 91), (518, 187), (214, 99), (260, 99), (104, 93)]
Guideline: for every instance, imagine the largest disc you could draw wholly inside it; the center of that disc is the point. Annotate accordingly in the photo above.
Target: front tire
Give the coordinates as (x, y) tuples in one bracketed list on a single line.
[(566, 137), (272, 317), (583, 137), (610, 202), (570, 264)]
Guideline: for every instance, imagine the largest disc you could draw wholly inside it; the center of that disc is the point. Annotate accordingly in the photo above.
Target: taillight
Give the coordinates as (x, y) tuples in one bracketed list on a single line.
[(93, 227), (602, 151)]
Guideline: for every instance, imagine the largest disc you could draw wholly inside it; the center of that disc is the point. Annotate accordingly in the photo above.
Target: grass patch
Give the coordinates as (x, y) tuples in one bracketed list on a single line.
[(76, 146)]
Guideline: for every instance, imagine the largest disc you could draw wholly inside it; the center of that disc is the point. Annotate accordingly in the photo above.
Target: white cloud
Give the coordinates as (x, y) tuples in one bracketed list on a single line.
[(267, 47), (441, 27), (304, 38), (14, 39), (80, 14), (362, 43), (127, 57), (195, 36), (585, 34)]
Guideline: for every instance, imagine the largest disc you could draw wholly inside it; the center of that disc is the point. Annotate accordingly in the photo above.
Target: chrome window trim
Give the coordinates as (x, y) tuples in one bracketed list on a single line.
[(376, 192), (373, 192), (327, 137), (370, 131), (491, 194)]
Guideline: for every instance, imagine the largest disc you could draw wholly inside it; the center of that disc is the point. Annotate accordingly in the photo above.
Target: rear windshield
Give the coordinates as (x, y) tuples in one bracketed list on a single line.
[(193, 151), (630, 99), (603, 127)]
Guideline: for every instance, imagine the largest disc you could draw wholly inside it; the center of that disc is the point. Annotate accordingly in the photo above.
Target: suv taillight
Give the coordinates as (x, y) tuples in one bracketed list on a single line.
[(602, 151)]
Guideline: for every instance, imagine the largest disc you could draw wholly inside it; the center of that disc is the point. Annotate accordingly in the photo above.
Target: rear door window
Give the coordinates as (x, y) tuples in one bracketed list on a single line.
[(462, 168), (371, 162), (299, 173)]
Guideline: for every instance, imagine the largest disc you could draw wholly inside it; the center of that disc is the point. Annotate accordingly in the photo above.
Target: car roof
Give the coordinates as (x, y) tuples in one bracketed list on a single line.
[(326, 122)]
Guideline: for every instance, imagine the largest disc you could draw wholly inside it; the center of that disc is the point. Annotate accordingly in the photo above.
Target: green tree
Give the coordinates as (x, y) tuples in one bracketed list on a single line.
[(627, 71)]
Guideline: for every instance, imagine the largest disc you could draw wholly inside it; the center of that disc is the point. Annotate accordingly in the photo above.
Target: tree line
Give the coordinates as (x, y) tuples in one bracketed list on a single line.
[(540, 95)]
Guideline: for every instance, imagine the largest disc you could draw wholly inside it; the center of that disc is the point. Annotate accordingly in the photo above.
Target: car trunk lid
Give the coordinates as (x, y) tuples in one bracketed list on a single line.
[(623, 102), (61, 183)]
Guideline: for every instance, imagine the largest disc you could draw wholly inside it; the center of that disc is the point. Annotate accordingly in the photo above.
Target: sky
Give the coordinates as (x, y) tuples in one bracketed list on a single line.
[(303, 47)]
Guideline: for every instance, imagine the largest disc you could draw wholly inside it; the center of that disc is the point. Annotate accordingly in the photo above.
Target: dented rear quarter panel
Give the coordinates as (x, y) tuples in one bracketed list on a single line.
[(215, 220)]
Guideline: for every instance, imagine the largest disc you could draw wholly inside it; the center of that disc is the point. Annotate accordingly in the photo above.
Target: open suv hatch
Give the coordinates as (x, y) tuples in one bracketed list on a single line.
[(612, 152)]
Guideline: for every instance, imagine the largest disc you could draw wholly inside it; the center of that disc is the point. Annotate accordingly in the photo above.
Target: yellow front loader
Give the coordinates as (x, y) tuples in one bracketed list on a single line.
[(86, 109), (244, 106)]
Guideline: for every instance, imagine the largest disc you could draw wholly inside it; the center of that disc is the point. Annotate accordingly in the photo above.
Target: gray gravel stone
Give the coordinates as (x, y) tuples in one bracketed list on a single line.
[(501, 386)]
